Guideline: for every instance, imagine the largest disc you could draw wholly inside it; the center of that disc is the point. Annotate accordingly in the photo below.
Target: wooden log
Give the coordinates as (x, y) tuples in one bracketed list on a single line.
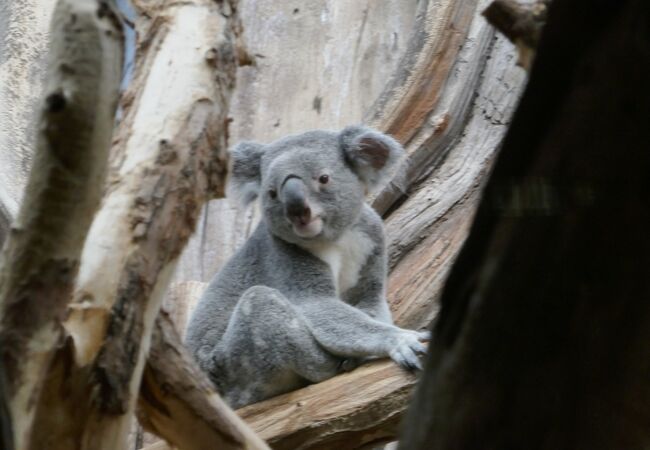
[(41, 256)]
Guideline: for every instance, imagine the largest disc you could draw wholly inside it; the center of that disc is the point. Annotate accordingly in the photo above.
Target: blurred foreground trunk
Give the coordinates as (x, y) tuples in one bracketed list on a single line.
[(543, 337)]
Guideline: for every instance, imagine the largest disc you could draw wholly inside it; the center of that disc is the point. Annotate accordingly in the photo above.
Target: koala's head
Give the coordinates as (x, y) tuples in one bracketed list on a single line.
[(312, 185)]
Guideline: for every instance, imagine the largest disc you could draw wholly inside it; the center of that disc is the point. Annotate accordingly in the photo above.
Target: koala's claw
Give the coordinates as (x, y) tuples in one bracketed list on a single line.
[(406, 351), (424, 336), (349, 364)]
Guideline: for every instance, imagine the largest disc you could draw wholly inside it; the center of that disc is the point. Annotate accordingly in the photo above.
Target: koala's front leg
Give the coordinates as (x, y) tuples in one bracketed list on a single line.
[(345, 331), (266, 341)]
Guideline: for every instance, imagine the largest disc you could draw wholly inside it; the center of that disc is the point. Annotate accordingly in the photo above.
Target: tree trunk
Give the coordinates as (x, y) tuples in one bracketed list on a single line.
[(24, 38), (41, 256), (542, 339)]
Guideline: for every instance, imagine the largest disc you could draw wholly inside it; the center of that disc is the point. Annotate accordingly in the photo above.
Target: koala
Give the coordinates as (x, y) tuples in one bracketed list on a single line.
[(305, 297)]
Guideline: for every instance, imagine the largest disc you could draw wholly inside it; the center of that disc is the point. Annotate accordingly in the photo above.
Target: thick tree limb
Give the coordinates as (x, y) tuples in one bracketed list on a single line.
[(423, 105), (542, 339), (41, 256), (343, 412)]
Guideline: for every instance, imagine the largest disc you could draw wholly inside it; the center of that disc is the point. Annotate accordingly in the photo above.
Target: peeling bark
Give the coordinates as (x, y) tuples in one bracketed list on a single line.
[(41, 256)]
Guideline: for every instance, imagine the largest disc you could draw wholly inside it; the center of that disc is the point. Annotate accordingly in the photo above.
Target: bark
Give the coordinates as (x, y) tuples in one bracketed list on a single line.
[(542, 339), (41, 256), (167, 159), (343, 412), (24, 39)]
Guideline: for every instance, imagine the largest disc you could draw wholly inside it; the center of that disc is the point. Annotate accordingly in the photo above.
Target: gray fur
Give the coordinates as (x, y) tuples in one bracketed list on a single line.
[(304, 298)]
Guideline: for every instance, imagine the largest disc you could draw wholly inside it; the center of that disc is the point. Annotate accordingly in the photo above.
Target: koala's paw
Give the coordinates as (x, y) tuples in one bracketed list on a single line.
[(407, 348)]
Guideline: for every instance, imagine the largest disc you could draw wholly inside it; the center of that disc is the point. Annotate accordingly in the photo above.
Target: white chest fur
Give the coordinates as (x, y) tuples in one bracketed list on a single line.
[(345, 257)]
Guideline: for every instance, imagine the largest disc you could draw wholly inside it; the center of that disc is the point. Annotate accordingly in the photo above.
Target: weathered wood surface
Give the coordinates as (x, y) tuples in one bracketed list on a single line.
[(41, 255), (542, 339), (347, 411)]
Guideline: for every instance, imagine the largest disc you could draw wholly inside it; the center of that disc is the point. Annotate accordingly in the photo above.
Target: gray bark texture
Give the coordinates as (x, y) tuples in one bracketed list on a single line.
[(542, 338), (24, 38)]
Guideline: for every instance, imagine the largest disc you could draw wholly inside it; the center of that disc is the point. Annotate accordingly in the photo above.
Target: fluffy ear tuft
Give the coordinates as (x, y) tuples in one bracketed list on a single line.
[(245, 171), (371, 154)]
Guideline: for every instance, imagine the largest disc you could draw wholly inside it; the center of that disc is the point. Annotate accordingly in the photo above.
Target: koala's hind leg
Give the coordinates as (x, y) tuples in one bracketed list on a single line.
[(268, 348)]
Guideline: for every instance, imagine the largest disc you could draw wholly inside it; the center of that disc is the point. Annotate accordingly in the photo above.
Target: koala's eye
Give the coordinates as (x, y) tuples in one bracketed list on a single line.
[(273, 193), (324, 179)]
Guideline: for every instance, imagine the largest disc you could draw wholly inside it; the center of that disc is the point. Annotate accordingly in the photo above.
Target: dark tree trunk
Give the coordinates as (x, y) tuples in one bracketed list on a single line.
[(543, 340)]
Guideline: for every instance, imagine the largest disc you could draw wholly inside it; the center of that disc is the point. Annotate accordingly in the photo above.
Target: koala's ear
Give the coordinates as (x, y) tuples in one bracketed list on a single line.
[(372, 155), (245, 171)]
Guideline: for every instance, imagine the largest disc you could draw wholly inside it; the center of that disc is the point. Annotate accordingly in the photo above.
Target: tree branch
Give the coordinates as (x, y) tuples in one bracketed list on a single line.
[(344, 412), (41, 256)]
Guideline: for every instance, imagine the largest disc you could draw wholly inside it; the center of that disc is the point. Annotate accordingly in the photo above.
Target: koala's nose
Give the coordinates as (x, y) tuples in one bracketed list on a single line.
[(294, 198)]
